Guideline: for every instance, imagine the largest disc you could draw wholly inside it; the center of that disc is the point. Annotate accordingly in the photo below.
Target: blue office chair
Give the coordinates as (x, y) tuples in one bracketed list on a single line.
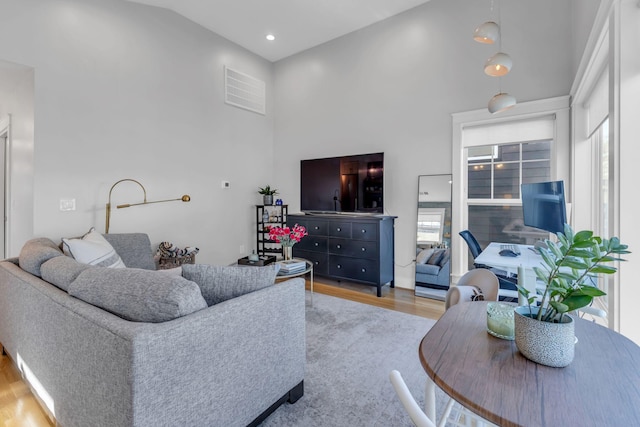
[(473, 244), (506, 281)]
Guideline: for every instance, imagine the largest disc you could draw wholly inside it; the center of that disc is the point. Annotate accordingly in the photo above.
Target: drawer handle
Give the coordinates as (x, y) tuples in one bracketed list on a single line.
[(339, 229), (316, 263), (316, 228), (364, 270), (364, 249), (316, 244), (363, 231), (338, 246), (339, 266)]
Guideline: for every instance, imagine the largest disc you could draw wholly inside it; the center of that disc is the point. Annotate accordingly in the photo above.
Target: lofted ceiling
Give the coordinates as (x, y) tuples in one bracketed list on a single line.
[(297, 24)]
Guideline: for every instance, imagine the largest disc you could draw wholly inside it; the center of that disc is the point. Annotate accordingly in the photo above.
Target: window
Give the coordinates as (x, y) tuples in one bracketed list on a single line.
[(526, 144), (494, 175), (601, 191)]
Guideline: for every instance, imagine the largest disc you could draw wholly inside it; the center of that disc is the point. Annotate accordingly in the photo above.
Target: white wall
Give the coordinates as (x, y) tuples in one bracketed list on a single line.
[(392, 87), (626, 20), (16, 99), (130, 91)]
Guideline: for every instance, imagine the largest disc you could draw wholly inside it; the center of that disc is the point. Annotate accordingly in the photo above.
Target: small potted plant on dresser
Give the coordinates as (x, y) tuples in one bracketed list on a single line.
[(267, 195), (545, 334)]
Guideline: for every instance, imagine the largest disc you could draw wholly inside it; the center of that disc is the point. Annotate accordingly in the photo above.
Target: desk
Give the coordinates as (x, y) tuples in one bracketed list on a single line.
[(601, 387), (490, 256)]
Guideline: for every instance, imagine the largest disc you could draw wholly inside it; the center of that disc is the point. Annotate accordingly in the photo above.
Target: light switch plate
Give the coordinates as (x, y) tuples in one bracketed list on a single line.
[(67, 205)]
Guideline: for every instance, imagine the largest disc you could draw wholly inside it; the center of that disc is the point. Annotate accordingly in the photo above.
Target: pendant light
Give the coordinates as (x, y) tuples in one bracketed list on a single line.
[(498, 65), (488, 33), (501, 102)]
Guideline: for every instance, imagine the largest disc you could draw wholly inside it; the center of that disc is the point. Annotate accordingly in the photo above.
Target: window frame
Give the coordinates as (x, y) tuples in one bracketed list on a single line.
[(557, 108)]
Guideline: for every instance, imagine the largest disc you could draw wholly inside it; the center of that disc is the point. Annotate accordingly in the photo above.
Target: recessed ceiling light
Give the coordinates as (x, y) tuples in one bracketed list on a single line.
[(271, 37)]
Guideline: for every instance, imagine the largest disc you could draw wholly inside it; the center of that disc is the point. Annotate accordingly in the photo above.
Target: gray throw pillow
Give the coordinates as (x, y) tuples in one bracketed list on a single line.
[(61, 271), (220, 283), (138, 295), (436, 257), (445, 257), (36, 252), (424, 255)]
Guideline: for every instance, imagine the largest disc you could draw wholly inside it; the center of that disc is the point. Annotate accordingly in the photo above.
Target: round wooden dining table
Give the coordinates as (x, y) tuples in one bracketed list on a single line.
[(489, 376)]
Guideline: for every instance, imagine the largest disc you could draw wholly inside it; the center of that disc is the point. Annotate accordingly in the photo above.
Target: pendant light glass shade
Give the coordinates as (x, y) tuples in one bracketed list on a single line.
[(488, 33), (498, 65), (501, 102)]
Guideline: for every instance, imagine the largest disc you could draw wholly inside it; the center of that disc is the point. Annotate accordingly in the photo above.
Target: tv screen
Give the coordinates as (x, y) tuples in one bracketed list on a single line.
[(543, 205), (342, 184)]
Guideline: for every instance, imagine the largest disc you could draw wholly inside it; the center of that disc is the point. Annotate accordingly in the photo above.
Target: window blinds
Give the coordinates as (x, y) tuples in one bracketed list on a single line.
[(534, 129)]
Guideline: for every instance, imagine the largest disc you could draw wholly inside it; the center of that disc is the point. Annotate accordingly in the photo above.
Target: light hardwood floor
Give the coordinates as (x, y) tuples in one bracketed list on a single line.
[(19, 408)]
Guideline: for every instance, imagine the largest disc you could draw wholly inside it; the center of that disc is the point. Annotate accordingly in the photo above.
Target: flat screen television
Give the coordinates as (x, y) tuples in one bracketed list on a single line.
[(343, 184), (543, 205)]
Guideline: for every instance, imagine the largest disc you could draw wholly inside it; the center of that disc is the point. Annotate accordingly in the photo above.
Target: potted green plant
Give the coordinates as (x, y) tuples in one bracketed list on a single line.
[(267, 195), (545, 333)]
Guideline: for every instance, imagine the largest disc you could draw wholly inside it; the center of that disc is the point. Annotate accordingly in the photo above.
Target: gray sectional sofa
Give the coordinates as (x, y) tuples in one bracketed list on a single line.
[(163, 350)]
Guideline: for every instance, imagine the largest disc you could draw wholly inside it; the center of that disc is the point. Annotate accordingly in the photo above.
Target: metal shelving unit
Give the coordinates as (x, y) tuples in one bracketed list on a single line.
[(277, 217)]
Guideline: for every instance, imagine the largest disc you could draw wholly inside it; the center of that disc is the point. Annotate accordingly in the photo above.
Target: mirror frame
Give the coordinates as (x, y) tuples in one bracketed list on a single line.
[(435, 193)]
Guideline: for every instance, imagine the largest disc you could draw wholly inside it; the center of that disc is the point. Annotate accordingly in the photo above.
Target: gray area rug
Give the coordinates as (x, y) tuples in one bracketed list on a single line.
[(351, 348)]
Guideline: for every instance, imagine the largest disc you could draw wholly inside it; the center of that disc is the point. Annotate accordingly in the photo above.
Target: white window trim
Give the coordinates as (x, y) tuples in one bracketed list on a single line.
[(560, 155)]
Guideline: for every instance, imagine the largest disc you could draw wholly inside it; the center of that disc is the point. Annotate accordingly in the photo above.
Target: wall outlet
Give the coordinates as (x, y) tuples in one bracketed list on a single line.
[(242, 249), (67, 205), (225, 184)]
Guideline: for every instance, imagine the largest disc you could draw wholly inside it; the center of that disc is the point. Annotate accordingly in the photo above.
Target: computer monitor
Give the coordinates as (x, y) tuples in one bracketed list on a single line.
[(543, 205)]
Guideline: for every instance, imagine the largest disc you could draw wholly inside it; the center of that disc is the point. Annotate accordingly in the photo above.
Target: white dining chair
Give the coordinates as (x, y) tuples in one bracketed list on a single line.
[(418, 417), (455, 415)]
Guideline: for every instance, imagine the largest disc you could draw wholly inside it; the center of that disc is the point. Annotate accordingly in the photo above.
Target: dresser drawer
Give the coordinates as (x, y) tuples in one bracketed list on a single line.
[(364, 231), (316, 227), (353, 248), (364, 270), (319, 260), (340, 229), (313, 243)]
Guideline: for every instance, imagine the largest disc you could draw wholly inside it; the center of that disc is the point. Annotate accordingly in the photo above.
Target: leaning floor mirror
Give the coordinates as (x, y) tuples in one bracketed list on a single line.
[(433, 242)]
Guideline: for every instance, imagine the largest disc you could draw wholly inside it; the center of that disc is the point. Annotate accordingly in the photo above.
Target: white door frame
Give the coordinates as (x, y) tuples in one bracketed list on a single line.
[(5, 132)]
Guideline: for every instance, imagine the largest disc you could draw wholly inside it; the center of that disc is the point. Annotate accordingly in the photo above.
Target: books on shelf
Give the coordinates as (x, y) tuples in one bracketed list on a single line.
[(292, 266)]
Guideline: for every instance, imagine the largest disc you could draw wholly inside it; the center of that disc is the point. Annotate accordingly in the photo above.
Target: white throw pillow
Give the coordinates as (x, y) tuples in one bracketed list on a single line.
[(424, 255), (93, 249)]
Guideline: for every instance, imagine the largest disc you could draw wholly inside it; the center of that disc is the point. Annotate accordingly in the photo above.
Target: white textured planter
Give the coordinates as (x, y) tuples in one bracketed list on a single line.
[(550, 344)]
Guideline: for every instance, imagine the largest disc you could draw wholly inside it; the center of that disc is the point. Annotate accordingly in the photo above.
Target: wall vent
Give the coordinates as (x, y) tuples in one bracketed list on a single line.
[(244, 91)]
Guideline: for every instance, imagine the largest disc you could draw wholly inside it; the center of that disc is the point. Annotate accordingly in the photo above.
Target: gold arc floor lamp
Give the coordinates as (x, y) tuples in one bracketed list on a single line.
[(185, 198)]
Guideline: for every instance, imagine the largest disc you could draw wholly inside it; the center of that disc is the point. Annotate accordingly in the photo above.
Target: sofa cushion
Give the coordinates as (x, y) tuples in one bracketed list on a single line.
[(92, 249), (424, 256), (36, 252), (220, 283), (134, 249), (137, 294), (428, 269), (61, 271)]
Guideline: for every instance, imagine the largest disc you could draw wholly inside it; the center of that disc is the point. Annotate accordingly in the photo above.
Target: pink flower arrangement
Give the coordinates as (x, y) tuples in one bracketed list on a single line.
[(287, 236)]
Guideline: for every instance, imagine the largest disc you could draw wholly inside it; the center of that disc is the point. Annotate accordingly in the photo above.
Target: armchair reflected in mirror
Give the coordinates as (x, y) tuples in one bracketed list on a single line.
[(433, 237)]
